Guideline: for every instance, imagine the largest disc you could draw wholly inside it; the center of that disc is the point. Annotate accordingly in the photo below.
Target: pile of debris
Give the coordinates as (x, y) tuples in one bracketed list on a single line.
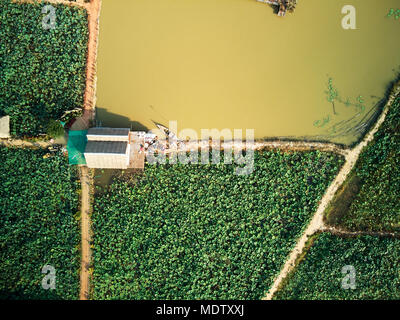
[(284, 5)]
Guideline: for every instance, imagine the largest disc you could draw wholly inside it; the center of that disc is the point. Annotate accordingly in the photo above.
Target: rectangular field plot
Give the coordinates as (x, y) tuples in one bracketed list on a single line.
[(201, 232), (38, 225)]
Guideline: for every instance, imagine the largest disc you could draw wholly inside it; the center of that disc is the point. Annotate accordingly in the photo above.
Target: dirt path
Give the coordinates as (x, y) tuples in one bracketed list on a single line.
[(317, 223), (93, 10), (301, 146), (260, 145), (86, 208), (25, 143)]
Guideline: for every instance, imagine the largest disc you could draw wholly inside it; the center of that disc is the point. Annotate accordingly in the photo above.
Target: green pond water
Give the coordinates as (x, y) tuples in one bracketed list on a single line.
[(234, 64)]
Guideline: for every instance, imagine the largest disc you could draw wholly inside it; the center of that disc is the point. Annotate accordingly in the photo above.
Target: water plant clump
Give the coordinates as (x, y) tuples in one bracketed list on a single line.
[(332, 94), (394, 13), (343, 127), (322, 123)]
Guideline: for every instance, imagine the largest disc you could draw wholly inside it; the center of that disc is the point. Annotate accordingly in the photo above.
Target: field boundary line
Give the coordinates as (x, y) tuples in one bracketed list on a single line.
[(21, 143), (86, 236), (93, 9), (286, 145), (78, 3)]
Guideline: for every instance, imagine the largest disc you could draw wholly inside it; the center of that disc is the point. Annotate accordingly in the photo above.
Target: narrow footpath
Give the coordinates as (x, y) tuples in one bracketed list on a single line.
[(19, 143), (86, 208), (93, 9)]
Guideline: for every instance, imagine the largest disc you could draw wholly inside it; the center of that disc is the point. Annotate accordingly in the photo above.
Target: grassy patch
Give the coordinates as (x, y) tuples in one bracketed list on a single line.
[(342, 201)]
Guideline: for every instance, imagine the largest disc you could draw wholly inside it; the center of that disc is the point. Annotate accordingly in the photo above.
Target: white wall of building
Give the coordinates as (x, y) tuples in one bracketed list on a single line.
[(107, 161)]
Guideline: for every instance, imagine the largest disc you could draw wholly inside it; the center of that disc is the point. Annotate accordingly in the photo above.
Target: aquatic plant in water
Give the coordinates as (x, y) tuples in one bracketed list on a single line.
[(391, 12), (323, 122), (332, 94), (394, 13), (360, 105)]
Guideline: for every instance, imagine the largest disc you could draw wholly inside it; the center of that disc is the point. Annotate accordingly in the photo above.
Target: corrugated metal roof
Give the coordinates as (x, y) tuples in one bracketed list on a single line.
[(111, 147), (100, 131)]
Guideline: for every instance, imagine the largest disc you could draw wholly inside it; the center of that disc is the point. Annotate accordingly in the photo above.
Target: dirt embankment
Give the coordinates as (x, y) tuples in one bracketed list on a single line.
[(19, 143), (91, 66), (86, 209)]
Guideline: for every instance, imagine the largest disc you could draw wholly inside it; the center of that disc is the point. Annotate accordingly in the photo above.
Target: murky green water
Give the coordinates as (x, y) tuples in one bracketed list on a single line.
[(234, 64)]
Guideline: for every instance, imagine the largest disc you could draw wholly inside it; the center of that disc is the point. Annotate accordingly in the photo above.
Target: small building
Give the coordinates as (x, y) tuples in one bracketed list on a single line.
[(108, 148), (5, 127)]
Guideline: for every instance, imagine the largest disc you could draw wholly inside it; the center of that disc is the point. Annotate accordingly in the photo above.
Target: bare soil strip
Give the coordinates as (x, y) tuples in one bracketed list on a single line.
[(317, 223), (262, 145), (93, 10), (302, 146), (89, 105), (86, 208), (25, 143)]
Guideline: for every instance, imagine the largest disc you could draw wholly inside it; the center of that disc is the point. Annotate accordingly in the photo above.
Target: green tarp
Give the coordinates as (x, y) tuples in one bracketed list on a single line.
[(77, 141)]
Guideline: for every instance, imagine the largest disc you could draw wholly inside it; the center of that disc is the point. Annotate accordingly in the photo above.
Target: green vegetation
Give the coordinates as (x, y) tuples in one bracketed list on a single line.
[(369, 200), (55, 129), (333, 95), (354, 124), (319, 276), (201, 232), (42, 71), (38, 201), (394, 13)]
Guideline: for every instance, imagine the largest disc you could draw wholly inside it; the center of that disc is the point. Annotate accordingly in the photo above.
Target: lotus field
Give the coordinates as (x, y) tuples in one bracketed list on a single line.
[(39, 200), (376, 262), (201, 232), (42, 69)]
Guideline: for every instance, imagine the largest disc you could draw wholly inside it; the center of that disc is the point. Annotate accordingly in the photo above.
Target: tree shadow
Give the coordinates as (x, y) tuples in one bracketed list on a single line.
[(274, 8), (106, 118)]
